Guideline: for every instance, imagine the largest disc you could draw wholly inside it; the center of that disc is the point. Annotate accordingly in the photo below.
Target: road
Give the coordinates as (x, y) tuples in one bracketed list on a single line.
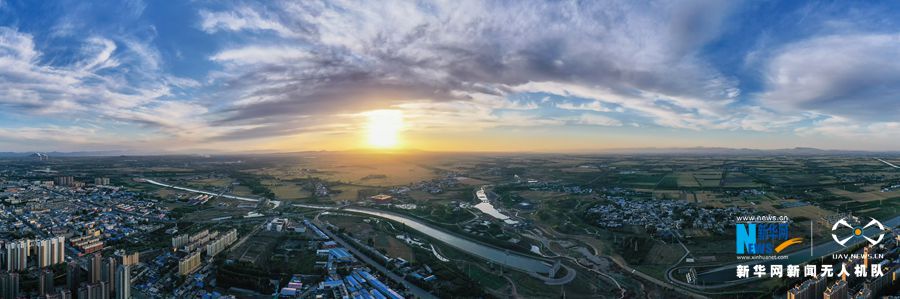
[(201, 191), (415, 290), (618, 261), (622, 264), (275, 203), (888, 163)]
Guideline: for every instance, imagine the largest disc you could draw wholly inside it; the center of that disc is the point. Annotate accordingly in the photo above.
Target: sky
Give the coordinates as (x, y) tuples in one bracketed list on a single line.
[(232, 76)]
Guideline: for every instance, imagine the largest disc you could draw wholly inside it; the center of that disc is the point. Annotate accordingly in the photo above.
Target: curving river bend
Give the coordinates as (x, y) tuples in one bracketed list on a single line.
[(504, 257)]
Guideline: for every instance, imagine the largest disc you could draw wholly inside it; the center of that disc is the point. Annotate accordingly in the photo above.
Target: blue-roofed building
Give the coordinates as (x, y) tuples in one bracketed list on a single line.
[(288, 292), (341, 254), (377, 295), (352, 282), (315, 229), (350, 286), (358, 277), (328, 284), (374, 282)]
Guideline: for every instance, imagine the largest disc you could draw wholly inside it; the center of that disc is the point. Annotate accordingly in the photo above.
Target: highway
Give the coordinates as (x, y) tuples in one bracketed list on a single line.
[(888, 163), (275, 203), (201, 191)]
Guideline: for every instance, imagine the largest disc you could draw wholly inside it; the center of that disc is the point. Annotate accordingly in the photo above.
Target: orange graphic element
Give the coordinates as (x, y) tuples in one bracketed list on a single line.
[(787, 243)]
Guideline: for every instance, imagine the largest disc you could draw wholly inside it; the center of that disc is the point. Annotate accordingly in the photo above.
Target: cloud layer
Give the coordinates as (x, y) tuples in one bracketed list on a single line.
[(254, 71), (852, 75)]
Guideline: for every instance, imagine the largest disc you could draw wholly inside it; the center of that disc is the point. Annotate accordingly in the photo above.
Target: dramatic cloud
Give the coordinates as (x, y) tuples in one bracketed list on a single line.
[(855, 76), (349, 53), (203, 74), (95, 85)]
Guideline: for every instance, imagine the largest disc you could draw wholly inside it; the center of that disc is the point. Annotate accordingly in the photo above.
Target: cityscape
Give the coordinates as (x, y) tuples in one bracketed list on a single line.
[(432, 225), (427, 149)]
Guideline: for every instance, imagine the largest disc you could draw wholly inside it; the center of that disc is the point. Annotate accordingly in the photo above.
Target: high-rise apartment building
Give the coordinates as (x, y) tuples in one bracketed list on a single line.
[(73, 276), (9, 285), (64, 181), (94, 291), (101, 181), (131, 259), (123, 282), (837, 291), (189, 264), (45, 282), (109, 272), (17, 253), (96, 268)]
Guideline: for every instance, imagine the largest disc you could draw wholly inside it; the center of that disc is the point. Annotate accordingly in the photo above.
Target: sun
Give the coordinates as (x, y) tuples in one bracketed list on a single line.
[(383, 127)]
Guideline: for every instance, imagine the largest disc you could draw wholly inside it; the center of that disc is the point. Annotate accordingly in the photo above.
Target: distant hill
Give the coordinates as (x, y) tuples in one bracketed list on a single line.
[(741, 151), (61, 154), (620, 151)]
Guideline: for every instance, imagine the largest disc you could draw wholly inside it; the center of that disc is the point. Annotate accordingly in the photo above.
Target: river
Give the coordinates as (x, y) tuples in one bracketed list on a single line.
[(500, 256), (507, 258)]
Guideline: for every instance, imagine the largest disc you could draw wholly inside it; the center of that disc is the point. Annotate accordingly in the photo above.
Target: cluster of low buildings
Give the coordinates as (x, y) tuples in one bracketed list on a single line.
[(712, 219), (88, 243), (157, 278), (352, 281), (624, 192), (73, 224), (70, 221), (890, 188), (320, 189), (344, 275), (398, 200), (550, 186), (433, 186), (661, 216), (87, 217), (359, 283), (745, 193)]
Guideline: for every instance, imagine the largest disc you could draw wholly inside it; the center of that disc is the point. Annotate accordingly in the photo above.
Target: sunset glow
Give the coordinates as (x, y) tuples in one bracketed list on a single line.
[(382, 128), (454, 76), (435, 149)]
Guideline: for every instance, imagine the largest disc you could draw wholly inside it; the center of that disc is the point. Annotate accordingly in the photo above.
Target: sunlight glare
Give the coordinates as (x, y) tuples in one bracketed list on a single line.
[(383, 127)]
